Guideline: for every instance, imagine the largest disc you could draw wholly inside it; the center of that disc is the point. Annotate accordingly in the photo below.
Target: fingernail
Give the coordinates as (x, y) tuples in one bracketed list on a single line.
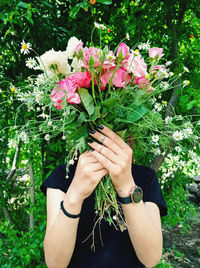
[(100, 127), (90, 141), (91, 131), (91, 149)]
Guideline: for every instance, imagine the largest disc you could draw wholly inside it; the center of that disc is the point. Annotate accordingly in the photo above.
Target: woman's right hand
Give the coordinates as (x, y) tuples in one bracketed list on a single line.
[(87, 176)]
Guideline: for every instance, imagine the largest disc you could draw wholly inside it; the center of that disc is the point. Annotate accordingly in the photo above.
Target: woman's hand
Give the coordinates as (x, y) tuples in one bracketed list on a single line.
[(116, 156), (89, 172)]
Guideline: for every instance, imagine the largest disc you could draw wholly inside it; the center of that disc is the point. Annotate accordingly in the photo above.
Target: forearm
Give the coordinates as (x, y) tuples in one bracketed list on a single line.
[(145, 236), (61, 237)]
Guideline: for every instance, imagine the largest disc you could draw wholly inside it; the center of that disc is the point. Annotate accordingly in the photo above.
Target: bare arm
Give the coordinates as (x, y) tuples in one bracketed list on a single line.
[(143, 220), (61, 230)]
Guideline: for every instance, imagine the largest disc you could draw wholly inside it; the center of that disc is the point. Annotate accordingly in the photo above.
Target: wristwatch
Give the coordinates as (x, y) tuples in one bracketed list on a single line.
[(135, 196)]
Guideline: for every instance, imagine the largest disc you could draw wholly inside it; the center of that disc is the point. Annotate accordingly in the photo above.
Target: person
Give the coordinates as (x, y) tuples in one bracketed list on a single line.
[(71, 213)]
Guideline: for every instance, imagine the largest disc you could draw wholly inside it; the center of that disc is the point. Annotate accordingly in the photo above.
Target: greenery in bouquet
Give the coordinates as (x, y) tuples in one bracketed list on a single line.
[(84, 86)]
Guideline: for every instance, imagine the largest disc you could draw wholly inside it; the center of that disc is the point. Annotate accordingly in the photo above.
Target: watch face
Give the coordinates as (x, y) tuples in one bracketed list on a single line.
[(137, 195)]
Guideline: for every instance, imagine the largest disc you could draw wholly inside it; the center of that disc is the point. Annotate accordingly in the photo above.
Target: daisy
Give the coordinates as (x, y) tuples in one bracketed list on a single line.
[(186, 69), (178, 149), (25, 47), (30, 63), (47, 137), (186, 83), (127, 36), (12, 89), (155, 138), (177, 135)]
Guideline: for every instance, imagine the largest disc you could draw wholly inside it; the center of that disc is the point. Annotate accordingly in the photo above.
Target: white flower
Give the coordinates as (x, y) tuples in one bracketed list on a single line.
[(188, 125), (157, 151), (171, 74), (12, 143), (49, 123), (30, 63), (25, 47), (71, 46), (77, 65), (187, 132), (54, 58), (177, 135), (186, 83), (127, 36), (144, 46), (192, 154), (47, 137), (179, 117), (41, 79), (153, 100), (71, 161), (99, 26), (181, 164), (155, 138), (63, 137), (178, 149), (186, 69), (43, 115), (168, 63), (164, 85), (158, 107)]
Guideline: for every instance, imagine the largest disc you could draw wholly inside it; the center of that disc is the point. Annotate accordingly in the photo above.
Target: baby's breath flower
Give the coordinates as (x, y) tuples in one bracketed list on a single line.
[(155, 138), (30, 63), (47, 137), (177, 135), (25, 47)]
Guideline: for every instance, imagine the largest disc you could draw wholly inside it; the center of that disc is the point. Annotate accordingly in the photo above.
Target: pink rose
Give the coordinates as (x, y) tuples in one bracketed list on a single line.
[(155, 51), (87, 53), (81, 79), (121, 78), (125, 50), (141, 81), (67, 87), (105, 78), (140, 68)]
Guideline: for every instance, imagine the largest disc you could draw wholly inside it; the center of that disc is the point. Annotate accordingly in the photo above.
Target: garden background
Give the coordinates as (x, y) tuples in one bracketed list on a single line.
[(173, 25)]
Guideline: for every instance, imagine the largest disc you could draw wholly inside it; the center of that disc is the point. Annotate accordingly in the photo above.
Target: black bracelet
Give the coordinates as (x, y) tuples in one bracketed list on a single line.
[(67, 213)]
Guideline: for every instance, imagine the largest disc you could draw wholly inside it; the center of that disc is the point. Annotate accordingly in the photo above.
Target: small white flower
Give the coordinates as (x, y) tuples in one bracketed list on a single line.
[(158, 107), (186, 83), (49, 123), (25, 47), (99, 26), (177, 135), (63, 137), (155, 138), (164, 85), (43, 115), (47, 137), (30, 63), (168, 63), (178, 149), (71, 161), (12, 143), (144, 46), (187, 132), (171, 74), (38, 109), (181, 164), (153, 100), (188, 125), (157, 151), (179, 117), (186, 69), (127, 36)]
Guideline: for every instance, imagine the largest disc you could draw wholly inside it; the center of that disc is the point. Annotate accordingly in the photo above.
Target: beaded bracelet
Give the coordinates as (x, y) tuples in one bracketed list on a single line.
[(67, 213)]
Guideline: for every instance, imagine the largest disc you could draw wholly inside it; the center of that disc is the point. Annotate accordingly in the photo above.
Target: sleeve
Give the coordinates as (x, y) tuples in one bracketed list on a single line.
[(56, 180), (153, 194)]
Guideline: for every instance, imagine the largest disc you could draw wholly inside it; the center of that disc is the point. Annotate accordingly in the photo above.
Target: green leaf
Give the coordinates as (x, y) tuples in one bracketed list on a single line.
[(91, 62), (109, 102), (86, 100), (191, 104), (95, 115), (75, 10), (22, 4), (81, 132), (105, 2), (138, 113)]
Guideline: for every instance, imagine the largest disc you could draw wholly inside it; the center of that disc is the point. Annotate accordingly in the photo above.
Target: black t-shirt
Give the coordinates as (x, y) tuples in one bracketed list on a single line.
[(113, 247)]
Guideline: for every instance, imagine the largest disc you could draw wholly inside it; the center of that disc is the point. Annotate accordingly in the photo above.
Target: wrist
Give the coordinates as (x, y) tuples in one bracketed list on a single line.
[(124, 189), (72, 202)]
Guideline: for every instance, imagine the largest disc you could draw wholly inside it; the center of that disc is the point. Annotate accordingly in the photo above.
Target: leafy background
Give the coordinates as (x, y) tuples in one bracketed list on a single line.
[(173, 25)]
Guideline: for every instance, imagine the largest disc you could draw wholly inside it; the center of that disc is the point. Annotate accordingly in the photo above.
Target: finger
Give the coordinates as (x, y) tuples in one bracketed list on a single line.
[(107, 142), (103, 150), (113, 136), (101, 173), (95, 166), (104, 161)]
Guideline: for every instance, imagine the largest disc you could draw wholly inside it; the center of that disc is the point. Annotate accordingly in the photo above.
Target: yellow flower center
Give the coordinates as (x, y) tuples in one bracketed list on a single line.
[(25, 47), (12, 89), (147, 76)]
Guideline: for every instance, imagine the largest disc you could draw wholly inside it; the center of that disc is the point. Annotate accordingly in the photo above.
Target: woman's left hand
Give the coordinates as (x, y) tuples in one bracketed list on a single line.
[(116, 156)]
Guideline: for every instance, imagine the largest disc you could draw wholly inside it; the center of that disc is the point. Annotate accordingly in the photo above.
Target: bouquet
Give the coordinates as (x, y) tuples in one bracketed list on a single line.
[(83, 87)]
